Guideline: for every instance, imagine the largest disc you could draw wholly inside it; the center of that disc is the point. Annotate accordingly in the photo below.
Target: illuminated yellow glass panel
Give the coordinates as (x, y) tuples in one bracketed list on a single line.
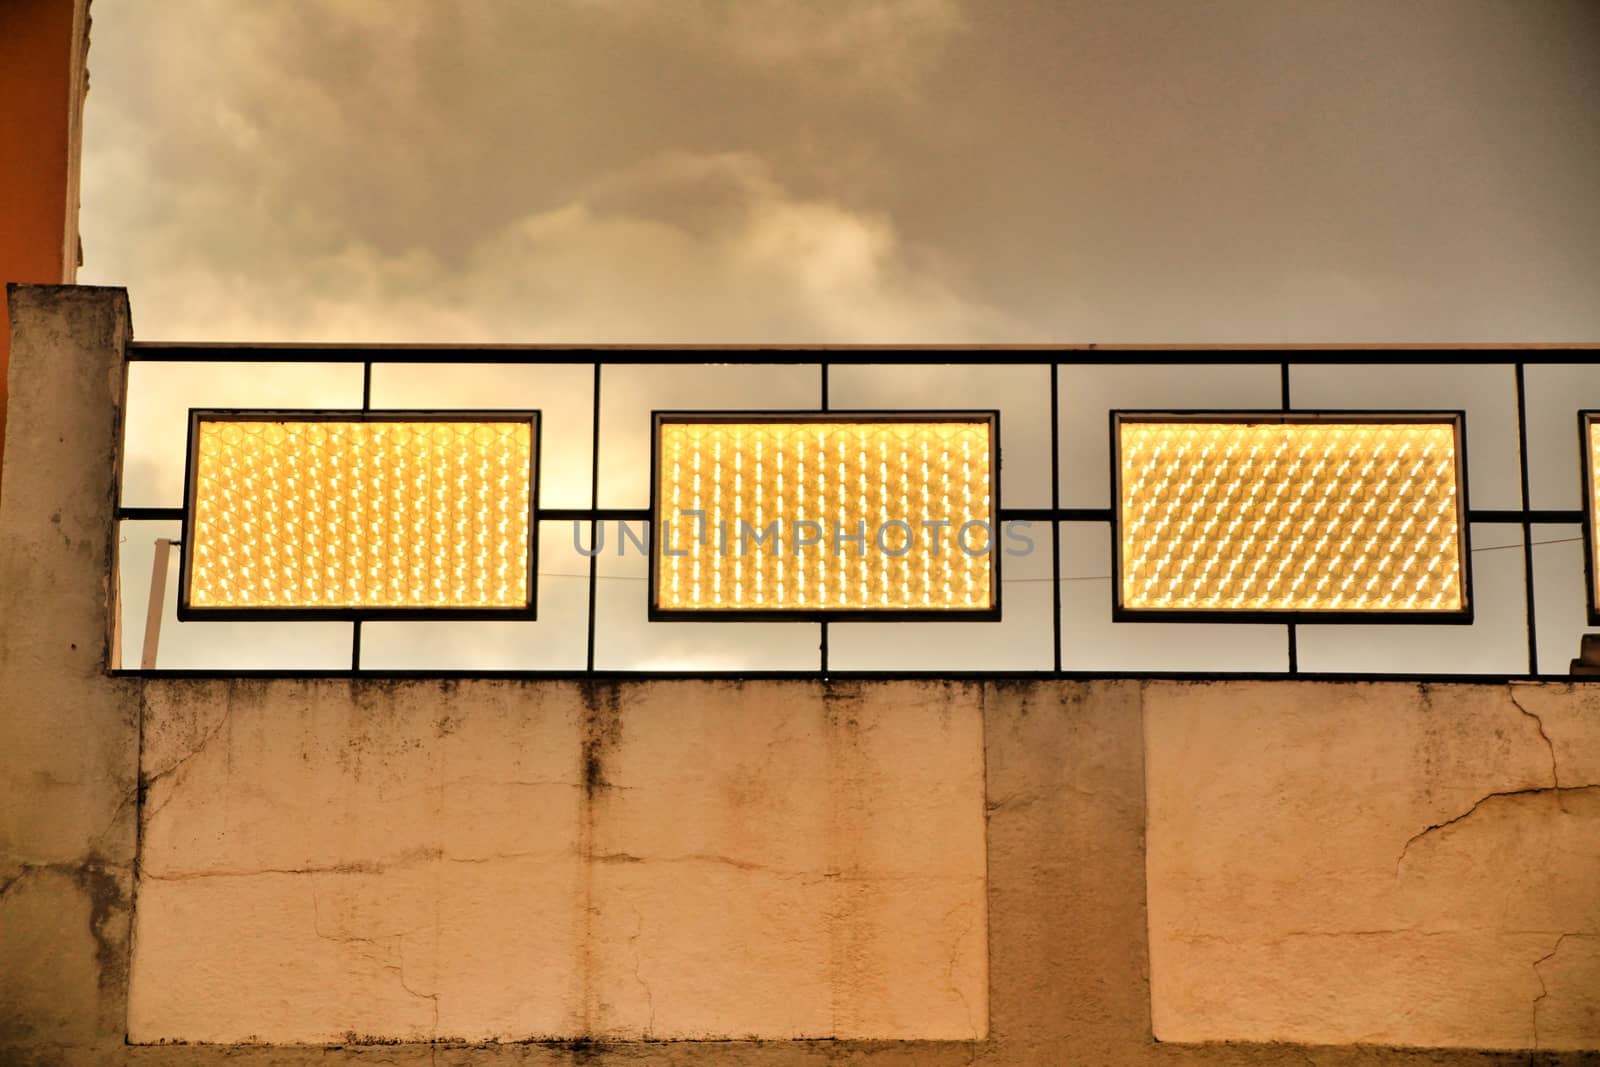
[(1311, 516), (898, 514), (374, 514), (1592, 443)]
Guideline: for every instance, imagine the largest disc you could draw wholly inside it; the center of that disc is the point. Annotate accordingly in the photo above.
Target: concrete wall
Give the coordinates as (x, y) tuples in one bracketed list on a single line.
[(890, 873), (512, 861), (1375, 863)]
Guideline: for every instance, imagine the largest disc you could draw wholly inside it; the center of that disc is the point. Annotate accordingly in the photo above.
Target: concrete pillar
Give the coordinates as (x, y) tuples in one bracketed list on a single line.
[(69, 734)]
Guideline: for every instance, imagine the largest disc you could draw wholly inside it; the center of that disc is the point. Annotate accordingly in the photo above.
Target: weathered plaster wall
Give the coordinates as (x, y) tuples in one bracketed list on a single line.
[(1375, 863), (728, 848), (504, 861), (69, 736)]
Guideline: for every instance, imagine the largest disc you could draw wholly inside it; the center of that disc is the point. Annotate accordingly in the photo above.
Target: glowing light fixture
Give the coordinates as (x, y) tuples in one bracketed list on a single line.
[(1589, 434), (825, 515), (352, 514), (1287, 513)]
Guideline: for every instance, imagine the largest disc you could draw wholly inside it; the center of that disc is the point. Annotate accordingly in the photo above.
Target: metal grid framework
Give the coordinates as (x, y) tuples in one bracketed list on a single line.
[(1456, 420), (187, 610), (1517, 358), (990, 611)]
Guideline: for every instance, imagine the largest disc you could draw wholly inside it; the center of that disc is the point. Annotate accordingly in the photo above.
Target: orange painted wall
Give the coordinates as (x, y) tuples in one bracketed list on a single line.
[(41, 100)]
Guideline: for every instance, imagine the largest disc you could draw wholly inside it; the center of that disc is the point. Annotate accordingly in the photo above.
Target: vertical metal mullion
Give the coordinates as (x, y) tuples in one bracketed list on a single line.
[(366, 406), (1527, 525), (822, 644), (1055, 506), (1293, 634), (594, 504)]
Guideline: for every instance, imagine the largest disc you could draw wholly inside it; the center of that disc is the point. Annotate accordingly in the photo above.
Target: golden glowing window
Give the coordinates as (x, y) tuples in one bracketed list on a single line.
[(825, 515), (350, 514), (1290, 513), (1589, 423)]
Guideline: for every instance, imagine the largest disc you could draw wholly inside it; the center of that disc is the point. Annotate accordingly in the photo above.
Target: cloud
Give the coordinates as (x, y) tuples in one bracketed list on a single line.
[(798, 170), (399, 172), (683, 248), (873, 44)]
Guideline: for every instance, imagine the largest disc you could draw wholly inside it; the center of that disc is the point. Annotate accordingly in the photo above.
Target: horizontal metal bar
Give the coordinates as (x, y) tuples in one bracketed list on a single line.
[(524, 613), (578, 514), (1574, 516), (594, 514), (150, 514), (201, 352), (615, 676)]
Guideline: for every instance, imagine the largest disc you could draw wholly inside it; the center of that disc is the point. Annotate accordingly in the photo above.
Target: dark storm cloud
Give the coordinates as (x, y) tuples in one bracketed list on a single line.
[(918, 170)]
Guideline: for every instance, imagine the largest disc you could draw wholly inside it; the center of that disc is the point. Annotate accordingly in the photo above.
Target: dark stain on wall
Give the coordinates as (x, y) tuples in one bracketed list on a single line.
[(602, 731), (110, 909)]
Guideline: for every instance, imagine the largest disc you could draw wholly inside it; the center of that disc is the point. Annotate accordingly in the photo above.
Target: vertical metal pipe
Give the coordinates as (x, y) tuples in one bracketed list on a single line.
[(155, 610)]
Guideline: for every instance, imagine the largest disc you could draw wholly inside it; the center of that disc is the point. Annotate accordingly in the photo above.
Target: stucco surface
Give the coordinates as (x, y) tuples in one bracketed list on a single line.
[(68, 734), (1374, 863), (326, 861)]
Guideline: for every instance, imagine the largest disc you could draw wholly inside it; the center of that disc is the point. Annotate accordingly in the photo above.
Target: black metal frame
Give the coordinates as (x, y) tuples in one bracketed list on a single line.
[(850, 355), (991, 613), (822, 357), (1299, 616), (1588, 422), (188, 612)]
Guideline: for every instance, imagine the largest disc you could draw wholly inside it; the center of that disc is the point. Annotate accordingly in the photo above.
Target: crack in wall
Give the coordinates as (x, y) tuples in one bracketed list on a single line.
[(955, 958), (409, 858), (824, 874), (404, 859), (1556, 789), (1555, 771), (1199, 937), (414, 857), (146, 783), (1544, 990), (400, 974), (638, 965), (1480, 802), (23, 871), (390, 959)]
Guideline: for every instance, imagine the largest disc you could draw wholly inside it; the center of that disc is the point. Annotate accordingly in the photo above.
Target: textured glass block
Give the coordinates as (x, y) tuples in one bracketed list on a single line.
[(767, 514), (1304, 516), (360, 514), (1591, 493)]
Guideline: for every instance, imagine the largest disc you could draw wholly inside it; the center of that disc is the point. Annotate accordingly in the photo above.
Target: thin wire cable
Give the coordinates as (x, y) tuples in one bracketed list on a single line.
[(1010, 581)]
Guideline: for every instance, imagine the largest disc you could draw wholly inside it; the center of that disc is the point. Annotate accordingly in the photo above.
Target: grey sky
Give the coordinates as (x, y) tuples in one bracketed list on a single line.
[(873, 170)]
